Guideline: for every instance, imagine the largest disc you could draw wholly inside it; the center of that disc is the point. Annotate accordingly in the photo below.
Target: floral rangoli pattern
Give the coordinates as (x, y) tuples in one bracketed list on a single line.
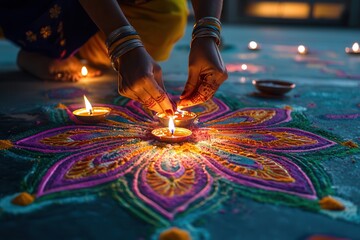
[(240, 146)]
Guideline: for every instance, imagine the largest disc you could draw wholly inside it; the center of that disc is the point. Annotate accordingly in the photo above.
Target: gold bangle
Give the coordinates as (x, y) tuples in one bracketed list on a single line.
[(121, 41)]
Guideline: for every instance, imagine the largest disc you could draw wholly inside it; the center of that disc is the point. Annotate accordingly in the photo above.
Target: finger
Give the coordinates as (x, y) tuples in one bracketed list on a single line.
[(149, 102), (204, 92), (75, 77), (65, 76), (193, 100), (158, 76), (129, 94), (160, 82), (191, 83), (161, 99), (125, 91)]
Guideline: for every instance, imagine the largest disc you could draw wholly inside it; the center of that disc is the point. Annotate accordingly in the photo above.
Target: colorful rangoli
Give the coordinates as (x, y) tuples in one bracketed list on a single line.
[(247, 150)]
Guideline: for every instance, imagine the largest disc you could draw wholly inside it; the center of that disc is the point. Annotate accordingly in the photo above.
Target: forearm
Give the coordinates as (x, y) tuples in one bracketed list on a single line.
[(106, 14), (207, 8)]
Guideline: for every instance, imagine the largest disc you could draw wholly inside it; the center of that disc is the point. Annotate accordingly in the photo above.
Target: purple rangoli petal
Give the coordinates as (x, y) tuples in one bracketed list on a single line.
[(91, 168), (77, 138), (250, 118), (212, 109), (265, 171), (169, 182), (66, 93), (276, 139)]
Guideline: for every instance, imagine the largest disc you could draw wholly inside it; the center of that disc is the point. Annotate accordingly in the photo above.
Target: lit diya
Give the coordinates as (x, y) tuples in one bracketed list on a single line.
[(171, 133), (90, 113), (273, 87), (84, 71), (253, 46), (302, 50), (355, 49), (181, 118)]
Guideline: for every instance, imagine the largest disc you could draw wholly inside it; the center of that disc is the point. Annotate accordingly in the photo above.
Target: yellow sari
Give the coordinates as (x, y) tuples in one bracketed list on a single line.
[(160, 24)]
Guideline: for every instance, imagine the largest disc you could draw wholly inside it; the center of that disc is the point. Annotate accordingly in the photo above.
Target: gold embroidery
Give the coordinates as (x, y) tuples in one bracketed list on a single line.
[(55, 11), (45, 32), (30, 36)]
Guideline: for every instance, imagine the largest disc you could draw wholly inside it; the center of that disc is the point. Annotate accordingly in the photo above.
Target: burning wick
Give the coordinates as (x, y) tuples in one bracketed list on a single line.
[(253, 45), (88, 106), (91, 114), (171, 134), (355, 47), (84, 71), (302, 50), (171, 125)]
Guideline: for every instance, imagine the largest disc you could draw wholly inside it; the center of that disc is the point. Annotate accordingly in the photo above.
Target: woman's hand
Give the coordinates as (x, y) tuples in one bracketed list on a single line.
[(206, 72), (140, 78)]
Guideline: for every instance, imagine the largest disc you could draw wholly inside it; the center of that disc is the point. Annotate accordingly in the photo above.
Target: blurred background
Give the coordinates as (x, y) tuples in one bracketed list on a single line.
[(345, 13)]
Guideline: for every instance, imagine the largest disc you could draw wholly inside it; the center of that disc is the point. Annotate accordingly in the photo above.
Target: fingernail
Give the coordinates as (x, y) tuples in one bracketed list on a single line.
[(169, 112)]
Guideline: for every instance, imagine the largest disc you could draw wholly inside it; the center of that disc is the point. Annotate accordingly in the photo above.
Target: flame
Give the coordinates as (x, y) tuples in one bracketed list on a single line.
[(355, 47), (84, 71), (253, 45), (88, 105), (171, 125), (244, 67), (181, 111), (301, 49)]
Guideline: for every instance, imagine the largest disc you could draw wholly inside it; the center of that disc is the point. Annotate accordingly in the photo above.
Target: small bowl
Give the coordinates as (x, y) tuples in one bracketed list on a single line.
[(273, 87), (164, 135), (189, 119), (99, 114), (351, 51)]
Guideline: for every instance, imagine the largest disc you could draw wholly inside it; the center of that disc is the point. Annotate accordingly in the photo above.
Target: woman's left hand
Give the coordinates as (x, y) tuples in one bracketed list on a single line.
[(206, 73)]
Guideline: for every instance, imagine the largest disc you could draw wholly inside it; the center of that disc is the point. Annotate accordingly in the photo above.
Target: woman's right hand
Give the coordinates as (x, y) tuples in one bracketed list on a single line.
[(140, 78)]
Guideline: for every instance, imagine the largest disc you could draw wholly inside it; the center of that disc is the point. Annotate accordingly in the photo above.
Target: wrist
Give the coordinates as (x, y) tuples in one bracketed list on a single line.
[(120, 42), (204, 41), (207, 27)]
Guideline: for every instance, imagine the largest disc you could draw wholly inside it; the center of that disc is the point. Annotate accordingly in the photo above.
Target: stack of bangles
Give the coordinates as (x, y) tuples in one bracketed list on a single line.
[(121, 41), (207, 27)]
